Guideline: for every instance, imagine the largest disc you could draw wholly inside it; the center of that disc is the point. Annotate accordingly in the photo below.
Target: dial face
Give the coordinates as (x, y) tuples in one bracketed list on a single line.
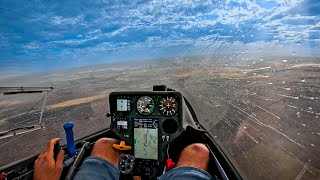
[(168, 106), (145, 105)]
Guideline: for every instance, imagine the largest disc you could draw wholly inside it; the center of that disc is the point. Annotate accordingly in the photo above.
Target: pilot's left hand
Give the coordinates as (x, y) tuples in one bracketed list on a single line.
[(46, 168)]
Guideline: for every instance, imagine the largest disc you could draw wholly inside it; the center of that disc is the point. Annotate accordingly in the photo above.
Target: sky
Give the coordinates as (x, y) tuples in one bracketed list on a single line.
[(55, 34)]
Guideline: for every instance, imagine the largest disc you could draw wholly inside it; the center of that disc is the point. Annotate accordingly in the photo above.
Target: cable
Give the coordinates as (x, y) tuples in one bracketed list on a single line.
[(168, 151)]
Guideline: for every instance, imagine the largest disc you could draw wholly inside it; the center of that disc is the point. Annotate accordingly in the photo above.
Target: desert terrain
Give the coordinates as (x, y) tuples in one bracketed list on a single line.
[(264, 112)]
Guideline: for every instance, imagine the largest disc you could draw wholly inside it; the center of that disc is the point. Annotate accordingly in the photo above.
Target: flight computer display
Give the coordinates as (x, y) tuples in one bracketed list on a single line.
[(123, 105), (146, 138)]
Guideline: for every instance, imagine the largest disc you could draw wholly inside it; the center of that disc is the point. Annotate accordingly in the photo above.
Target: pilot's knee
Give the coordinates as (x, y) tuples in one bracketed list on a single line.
[(194, 155), (105, 141), (196, 150)]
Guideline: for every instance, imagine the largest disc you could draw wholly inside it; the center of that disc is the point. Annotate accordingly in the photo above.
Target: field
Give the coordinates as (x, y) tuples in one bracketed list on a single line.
[(264, 112)]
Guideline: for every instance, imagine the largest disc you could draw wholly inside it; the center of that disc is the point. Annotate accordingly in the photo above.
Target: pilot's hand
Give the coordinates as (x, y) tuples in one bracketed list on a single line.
[(46, 168), (104, 150)]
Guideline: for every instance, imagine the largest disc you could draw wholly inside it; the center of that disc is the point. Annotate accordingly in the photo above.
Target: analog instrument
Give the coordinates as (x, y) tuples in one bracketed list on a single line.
[(168, 106), (145, 105)]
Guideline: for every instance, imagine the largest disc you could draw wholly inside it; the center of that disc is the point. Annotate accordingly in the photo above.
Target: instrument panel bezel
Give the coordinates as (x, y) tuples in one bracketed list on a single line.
[(129, 116)]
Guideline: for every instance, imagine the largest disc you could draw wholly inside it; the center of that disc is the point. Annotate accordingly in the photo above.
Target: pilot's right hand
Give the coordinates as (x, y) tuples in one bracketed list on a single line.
[(103, 149)]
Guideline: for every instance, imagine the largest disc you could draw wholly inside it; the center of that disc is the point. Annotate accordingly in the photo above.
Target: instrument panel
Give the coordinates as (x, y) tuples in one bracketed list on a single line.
[(147, 121)]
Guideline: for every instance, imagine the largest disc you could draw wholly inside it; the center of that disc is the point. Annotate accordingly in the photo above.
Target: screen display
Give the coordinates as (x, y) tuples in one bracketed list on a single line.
[(146, 138), (123, 105)]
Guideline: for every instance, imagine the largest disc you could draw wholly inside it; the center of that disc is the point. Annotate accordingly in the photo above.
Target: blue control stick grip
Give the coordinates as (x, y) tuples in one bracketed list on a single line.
[(70, 139)]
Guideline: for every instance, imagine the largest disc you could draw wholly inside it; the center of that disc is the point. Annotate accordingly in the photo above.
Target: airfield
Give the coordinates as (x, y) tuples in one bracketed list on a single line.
[(264, 112)]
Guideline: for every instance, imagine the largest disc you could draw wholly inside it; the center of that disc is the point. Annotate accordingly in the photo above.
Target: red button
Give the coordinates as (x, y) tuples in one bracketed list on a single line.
[(170, 164)]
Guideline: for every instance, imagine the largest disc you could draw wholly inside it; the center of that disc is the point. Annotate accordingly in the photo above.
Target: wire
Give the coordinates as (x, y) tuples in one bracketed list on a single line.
[(168, 150)]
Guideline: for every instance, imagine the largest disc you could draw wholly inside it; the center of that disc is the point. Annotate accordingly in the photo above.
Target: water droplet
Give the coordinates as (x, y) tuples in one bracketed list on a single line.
[(310, 108), (270, 83), (247, 50), (304, 125), (312, 145), (261, 59), (298, 113), (293, 53), (283, 82), (299, 134), (284, 60), (259, 49), (303, 80), (244, 127)]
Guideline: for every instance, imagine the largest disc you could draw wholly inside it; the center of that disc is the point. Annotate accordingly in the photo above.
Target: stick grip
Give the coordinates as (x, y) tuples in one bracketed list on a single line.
[(56, 150), (70, 139)]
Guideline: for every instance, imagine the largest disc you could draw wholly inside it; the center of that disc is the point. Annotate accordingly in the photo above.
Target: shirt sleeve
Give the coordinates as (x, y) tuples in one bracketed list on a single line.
[(98, 169)]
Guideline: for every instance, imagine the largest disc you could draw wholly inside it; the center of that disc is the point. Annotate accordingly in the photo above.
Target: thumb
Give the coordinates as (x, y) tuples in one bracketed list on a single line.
[(60, 157)]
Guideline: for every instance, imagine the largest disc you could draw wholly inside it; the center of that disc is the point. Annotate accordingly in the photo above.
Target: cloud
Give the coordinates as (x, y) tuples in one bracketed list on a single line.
[(307, 8), (314, 34), (300, 20), (47, 31), (32, 45), (59, 20)]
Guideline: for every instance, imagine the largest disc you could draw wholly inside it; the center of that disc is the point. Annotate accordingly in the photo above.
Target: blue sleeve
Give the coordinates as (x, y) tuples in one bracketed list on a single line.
[(98, 169)]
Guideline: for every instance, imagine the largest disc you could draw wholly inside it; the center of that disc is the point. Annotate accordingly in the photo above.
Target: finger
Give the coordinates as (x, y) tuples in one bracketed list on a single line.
[(42, 152), (60, 158), (50, 146)]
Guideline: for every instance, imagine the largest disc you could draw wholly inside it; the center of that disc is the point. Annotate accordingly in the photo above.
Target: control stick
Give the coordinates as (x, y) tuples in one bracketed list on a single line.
[(70, 139), (56, 150)]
